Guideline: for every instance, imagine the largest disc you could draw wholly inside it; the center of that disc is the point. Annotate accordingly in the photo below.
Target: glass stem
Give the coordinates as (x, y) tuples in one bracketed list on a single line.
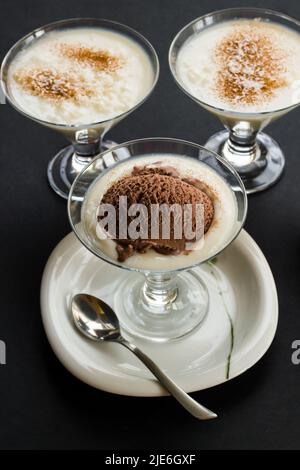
[(241, 147), (159, 292), (87, 145)]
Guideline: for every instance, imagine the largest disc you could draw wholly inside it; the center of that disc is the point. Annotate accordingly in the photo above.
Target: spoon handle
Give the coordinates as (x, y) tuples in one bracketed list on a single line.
[(183, 398)]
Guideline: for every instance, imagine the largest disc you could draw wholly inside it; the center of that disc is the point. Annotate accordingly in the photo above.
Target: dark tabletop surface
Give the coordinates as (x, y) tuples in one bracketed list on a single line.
[(42, 406)]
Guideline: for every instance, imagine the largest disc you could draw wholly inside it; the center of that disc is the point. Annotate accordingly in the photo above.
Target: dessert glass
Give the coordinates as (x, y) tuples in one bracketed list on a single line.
[(156, 305), (87, 140), (255, 155)]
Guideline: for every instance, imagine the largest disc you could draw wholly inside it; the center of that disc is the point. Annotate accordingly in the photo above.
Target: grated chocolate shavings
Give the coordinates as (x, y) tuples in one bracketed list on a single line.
[(251, 66), (56, 86), (97, 59)]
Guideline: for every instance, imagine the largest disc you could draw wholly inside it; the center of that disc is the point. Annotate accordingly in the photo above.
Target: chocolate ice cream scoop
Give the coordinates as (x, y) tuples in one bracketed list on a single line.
[(157, 185)]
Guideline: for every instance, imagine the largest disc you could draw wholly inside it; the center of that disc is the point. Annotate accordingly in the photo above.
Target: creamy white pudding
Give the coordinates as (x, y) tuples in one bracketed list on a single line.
[(247, 66), (79, 76), (218, 235)]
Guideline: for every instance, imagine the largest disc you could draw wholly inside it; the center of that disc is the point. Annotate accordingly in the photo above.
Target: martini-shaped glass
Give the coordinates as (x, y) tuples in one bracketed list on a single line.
[(156, 304), (87, 138), (255, 155)]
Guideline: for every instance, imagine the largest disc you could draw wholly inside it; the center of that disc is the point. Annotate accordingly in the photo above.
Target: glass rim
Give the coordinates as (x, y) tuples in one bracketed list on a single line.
[(223, 163), (58, 23), (239, 114)]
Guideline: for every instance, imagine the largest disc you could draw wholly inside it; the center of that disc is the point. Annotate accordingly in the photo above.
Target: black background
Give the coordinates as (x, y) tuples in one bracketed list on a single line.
[(41, 405)]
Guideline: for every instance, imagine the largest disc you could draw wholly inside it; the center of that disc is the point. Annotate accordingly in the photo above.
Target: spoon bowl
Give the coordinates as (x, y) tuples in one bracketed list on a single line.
[(94, 318)]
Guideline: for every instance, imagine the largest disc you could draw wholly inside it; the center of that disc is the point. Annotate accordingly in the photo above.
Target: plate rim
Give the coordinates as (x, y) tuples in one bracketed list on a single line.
[(147, 387)]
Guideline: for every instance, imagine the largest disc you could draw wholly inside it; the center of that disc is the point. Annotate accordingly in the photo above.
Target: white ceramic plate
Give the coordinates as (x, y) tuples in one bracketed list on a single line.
[(242, 293)]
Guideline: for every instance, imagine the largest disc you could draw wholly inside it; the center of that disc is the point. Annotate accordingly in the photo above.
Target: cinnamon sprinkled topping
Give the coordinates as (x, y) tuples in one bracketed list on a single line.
[(100, 60), (251, 66), (51, 85)]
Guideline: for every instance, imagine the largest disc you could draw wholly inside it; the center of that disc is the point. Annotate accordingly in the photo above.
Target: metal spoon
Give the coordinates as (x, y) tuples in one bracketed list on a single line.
[(96, 320)]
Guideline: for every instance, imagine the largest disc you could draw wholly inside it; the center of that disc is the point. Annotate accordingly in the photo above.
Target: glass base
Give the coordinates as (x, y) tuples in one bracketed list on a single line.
[(185, 312), (62, 169), (265, 169)]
